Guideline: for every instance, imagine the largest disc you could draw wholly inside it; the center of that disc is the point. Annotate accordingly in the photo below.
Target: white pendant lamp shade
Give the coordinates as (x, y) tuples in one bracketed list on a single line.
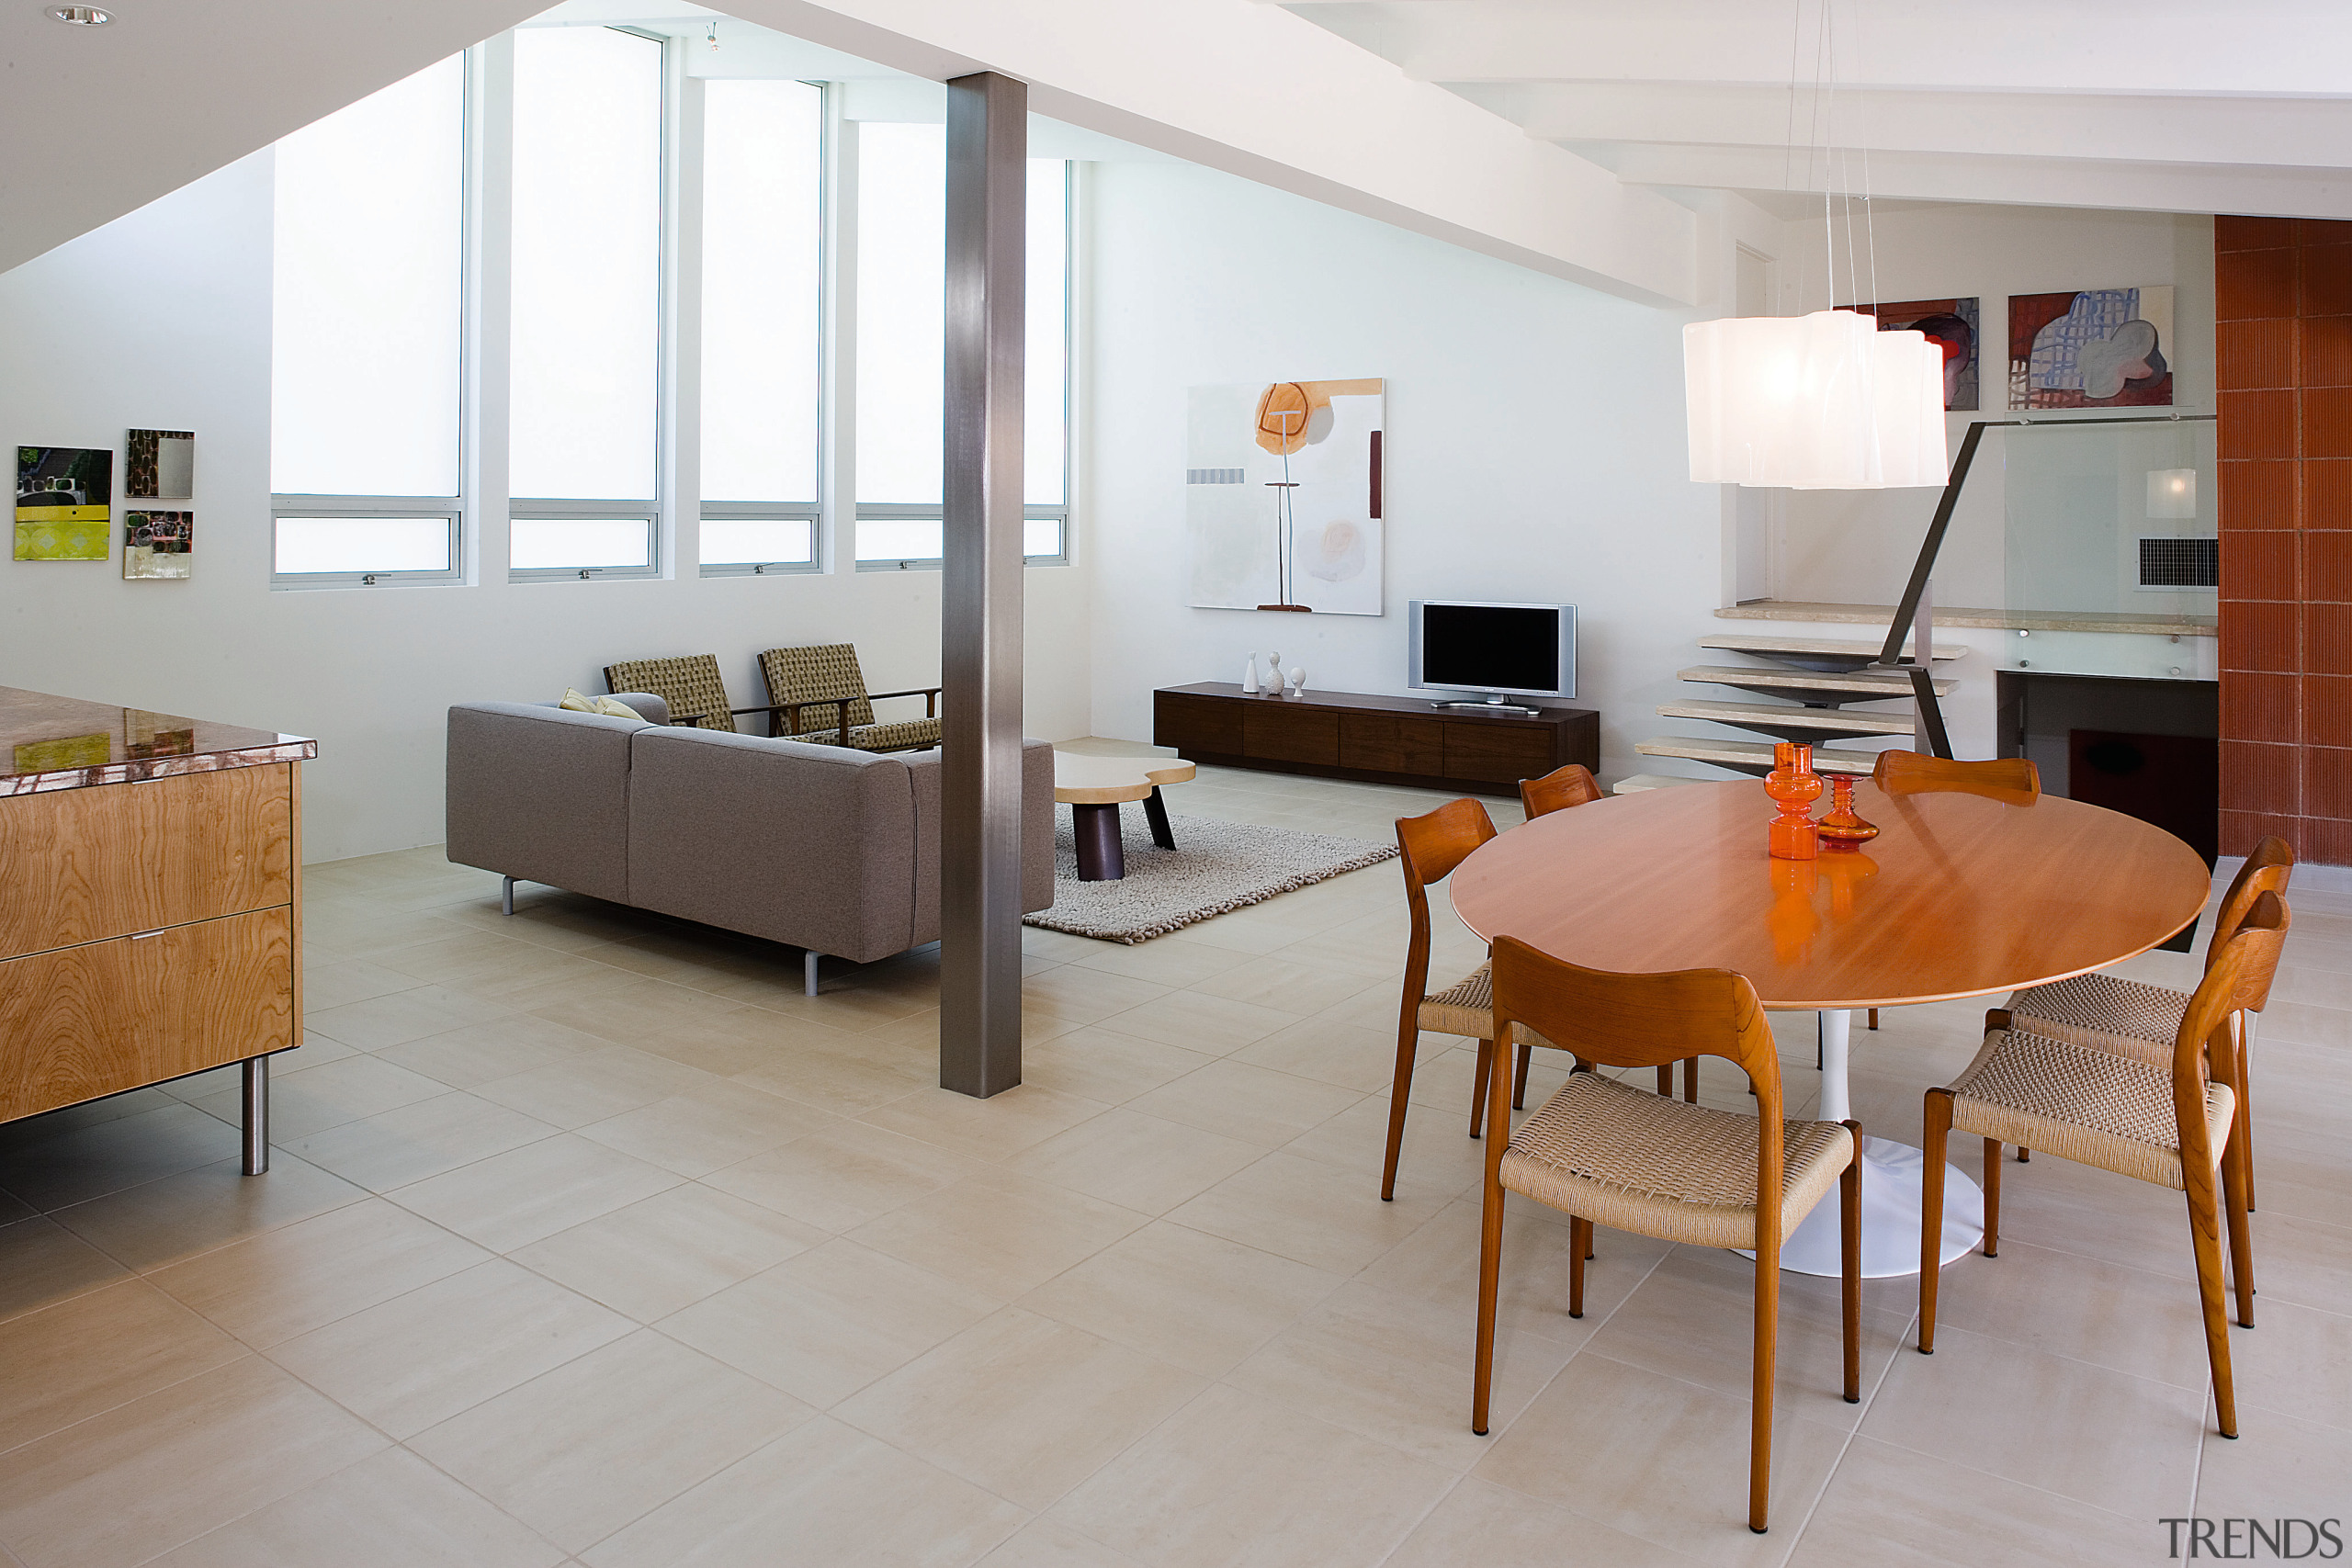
[(1825, 401)]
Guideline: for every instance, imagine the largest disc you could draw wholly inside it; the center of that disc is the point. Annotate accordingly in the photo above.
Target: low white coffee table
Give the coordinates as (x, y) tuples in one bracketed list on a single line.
[(1093, 788)]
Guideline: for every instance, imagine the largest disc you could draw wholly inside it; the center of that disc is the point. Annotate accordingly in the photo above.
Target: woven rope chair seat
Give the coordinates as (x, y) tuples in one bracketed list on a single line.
[(900, 736), (2129, 1018), (1636, 1161), (2082, 1104), (1467, 1008)]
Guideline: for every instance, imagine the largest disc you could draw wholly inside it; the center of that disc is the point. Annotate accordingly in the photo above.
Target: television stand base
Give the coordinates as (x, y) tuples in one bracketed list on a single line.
[(1481, 706)]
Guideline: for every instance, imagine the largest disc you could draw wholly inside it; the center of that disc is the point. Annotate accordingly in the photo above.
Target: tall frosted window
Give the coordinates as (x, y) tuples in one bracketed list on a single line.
[(366, 300), (901, 283), (760, 291), (587, 263)]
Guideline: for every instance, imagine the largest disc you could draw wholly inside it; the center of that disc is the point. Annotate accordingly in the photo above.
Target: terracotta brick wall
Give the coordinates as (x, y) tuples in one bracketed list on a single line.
[(2283, 320)]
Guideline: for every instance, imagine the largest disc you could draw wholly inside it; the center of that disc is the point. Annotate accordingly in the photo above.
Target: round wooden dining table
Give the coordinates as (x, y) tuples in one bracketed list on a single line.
[(1963, 894)]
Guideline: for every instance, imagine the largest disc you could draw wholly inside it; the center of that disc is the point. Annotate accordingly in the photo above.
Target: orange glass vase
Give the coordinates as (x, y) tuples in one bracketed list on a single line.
[(1793, 787), (1841, 829)]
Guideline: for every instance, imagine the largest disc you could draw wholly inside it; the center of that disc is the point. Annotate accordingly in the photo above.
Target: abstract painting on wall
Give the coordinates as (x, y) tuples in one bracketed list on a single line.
[(62, 497), (1283, 496), (159, 465), (156, 544), (1950, 325), (2094, 348)]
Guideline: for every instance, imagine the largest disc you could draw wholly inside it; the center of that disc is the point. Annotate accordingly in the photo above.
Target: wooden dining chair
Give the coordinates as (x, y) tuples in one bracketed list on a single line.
[(2014, 779), (2167, 1123), (1556, 791), (1430, 847), (1607, 1153)]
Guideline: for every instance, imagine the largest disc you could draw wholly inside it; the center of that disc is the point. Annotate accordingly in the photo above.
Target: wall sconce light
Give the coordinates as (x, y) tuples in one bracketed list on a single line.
[(2172, 492)]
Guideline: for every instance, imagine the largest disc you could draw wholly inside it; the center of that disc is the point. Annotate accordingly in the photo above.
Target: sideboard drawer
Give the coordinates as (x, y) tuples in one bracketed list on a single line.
[(1197, 724), (84, 1022), (1392, 743), (85, 864), (1497, 753), (1276, 732)]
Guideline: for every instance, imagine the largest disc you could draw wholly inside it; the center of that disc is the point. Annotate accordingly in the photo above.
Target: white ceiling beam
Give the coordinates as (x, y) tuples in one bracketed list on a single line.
[(1257, 92)]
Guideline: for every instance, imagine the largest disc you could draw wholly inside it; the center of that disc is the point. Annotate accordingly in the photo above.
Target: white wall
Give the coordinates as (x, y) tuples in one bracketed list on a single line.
[(160, 319), (1534, 445)]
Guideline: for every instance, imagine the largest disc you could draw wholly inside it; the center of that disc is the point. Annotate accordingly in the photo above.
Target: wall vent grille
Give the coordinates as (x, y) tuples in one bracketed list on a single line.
[(2173, 562)]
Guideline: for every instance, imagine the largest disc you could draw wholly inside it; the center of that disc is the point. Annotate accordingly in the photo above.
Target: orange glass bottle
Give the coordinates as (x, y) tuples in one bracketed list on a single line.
[(1841, 829), (1793, 787)]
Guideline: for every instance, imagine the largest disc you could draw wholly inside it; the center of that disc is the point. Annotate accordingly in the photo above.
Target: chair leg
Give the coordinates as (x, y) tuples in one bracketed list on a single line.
[(1666, 1080), (1579, 1248), (1873, 1018), (1936, 1118), (1768, 1334), (2204, 1235), (1491, 1259), (1408, 1043), (1849, 1264), (1691, 1079), (2233, 1208), (2025, 1156), (1992, 1197), (1478, 1091), (1519, 1088), (2241, 1126)]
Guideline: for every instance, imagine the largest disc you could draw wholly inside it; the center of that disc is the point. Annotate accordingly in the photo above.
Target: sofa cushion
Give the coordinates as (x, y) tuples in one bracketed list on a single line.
[(541, 794)]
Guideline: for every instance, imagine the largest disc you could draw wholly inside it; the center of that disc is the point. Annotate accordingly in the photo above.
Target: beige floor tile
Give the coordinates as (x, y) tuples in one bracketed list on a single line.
[(2278, 1468), (1233, 1478), (512, 1200), (1398, 1370), (271, 1287), (1089, 996), (42, 1263), (479, 1053), (580, 1452), (1094, 1063), (328, 1096), (998, 1233), (665, 1253), (1439, 1264), (836, 1180), (1437, 1150), (991, 1129), (1693, 1317), (1286, 986), (417, 1359), (2122, 1443), (822, 1494), (824, 1323), (1138, 1162), (1315, 1212), (2301, 1260), (176, 1217), (838, 1080), (1021, 1404), (417, 1141), (2297, 1362), (402, 1016), (1660, 1459), (390, 1511), (1321, 1048), (1213, 1025), (143, 1477), (1255, 1104), (52, 1161), (2147, 1325), (197, 1088), (1160, 963), (625, 1013), (351, 980), (2066, 1207), (708, 1127), (1197, 1300), (1043, 1543), (487, 964), (1888, 1505), (841, 1002), (1493, 1527), (90, 1353), (591, 1087)]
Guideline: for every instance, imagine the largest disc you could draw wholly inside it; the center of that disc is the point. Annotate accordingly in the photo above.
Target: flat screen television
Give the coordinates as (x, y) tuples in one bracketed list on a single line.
[(1499, 650)]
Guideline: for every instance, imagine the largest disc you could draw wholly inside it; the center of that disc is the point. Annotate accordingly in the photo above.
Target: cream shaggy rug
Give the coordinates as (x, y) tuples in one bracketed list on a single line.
[(1215, 867)]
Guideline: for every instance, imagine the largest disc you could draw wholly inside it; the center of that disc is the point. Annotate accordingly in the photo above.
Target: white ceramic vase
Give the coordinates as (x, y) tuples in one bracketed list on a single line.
[(1249, 676), (1274, 673), (1297, 680)]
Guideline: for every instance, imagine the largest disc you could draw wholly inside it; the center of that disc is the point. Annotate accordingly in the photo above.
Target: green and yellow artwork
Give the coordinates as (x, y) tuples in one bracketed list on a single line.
[(63, 497)]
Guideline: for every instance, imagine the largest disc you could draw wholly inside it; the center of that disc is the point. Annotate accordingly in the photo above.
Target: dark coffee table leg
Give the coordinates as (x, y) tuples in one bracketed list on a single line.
[(1099, 856), (1155, 811)]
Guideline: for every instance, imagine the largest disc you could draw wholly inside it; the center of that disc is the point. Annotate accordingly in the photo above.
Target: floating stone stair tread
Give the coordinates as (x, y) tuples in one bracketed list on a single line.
[(1859, 687), (1751, 756), (1777, 716), (1635, 783), (1832, 653)]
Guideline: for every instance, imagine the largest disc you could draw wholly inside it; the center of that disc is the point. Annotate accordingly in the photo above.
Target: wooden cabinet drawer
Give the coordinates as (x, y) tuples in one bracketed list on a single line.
[(107, 1016), (1497, 753), (86, 864), (1392, 743), (1197, 724), (1274, 732)]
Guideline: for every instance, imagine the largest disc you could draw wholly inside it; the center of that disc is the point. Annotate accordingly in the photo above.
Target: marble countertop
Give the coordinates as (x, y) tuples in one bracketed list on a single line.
[(51, 742)]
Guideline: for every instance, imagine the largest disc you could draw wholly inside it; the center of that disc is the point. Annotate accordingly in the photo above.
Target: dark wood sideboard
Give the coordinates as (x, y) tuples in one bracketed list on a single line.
[(1345, 734)]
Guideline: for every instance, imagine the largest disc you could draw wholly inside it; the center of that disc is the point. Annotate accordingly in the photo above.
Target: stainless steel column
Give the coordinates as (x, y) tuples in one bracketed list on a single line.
[(980, 947)]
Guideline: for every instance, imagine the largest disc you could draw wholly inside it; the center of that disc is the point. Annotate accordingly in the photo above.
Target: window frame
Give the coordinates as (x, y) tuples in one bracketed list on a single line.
[(361, 508), (543, 509), (765, 512)]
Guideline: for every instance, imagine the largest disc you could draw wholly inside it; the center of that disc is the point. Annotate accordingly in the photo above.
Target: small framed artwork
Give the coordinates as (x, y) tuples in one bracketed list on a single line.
[(2093, 348), (156, 544), (160, 465), (64, 496)]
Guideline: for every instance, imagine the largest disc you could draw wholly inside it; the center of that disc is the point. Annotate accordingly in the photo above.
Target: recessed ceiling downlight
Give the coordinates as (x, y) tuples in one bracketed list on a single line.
[(81, 15)]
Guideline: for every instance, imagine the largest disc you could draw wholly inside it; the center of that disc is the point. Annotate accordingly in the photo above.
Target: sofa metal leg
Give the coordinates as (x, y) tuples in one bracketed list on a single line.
[(256, 1115), (507, 898), (808, 973)]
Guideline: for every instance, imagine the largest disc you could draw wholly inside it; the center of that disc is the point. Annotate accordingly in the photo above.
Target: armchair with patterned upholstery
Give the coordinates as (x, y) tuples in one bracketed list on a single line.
[(818, 694), (690, 684)]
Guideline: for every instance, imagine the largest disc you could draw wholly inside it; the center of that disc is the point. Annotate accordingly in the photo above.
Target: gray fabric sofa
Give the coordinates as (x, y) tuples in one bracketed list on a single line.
[(824, 849)]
